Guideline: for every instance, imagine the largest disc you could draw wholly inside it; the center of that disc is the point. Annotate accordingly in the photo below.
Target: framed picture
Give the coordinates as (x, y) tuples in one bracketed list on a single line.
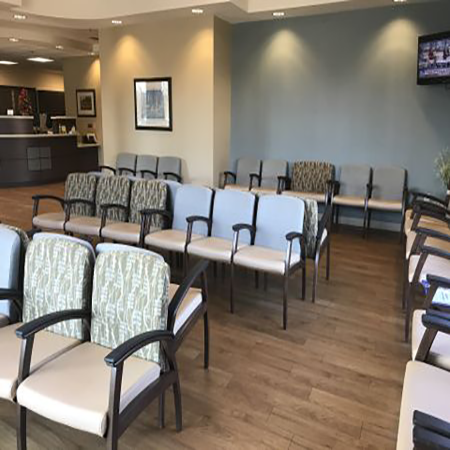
[(86, 103), (153, 104)]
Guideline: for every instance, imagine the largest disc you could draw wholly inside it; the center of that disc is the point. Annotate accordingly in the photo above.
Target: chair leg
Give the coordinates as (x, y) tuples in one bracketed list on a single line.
[(337, 215), (409, 303), (206, 339), (177, 401), (316, 274), (328, 259), (304, 282), (285, 300), (232, 288), (21, 428), (366, 213)]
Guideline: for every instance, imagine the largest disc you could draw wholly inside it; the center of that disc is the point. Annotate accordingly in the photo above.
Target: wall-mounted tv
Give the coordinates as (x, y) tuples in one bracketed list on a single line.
[(434, 59)]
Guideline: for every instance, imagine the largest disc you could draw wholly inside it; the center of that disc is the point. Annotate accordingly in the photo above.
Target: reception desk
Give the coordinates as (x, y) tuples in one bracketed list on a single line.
[(32, 159)]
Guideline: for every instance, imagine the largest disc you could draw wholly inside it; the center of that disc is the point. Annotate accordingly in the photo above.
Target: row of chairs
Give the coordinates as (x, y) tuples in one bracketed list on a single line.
[(425, 416), (359, 186), (146, 166), (95, 333)]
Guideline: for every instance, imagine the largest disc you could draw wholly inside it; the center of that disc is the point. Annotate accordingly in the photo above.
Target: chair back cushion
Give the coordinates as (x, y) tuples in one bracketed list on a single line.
[(81, 186), (232, 207), (113, 190), (244, 167), (148, 194), (130, 297), (192, 201), (354, 180), (173, 187), (58, 277), (146, 162), (169, 164), (388, 183), (277, 216), (126, 161), (271, 170), (311, 176)]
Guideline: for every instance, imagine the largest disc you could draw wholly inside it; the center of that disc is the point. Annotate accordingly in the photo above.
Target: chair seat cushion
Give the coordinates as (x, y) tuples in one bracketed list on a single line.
[(46, 347), (432, 242), (264, 191), (213, 248), (349, 201), (424, 389), (74, 388), (264, 259), (89, 226), (172, 240), (236, 187), (190, 303), (434, 265), (440, 350), (123, 232), (50, 221), (385, 205), (319, 197), (425, 222), (4, 320)]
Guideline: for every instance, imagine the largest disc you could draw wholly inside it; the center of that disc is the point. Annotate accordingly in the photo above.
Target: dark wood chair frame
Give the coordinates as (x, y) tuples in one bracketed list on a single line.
[(228, 173), (285, 184), (430, 433)]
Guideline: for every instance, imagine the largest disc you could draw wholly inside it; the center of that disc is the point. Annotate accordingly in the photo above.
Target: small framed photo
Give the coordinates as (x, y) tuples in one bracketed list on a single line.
[(153, 104), (86, 103)]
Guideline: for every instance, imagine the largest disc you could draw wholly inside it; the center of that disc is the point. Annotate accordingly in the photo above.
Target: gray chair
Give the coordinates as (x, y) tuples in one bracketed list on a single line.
[(230, 208), (267, 182), (352, 188), (147, 166), (241, 177), (387, 192), (125, 165), (278, 243), (169, 168)]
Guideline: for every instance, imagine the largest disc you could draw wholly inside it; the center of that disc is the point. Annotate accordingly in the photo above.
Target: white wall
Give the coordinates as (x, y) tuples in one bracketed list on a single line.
[(43, 79)]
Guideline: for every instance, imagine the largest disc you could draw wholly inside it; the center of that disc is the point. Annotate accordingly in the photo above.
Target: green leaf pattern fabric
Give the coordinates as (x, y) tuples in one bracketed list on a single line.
[(311, 176), (311, 226), (113, 190), (130, 297), (81, 186), (58, 276), (147, 194)]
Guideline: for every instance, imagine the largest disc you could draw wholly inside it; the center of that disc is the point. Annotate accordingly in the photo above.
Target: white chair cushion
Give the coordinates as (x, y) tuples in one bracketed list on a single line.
[(46, 347), (122, 232), (3, 320), (385, 205), (440, 350), (190, 303), (172, 240), (349, 201), (264, 259), (264, 191), (434, 265), (317, 196), (89, 226), (236, 187), (50, 221), (212, 248), (425, 389), (74, 388)]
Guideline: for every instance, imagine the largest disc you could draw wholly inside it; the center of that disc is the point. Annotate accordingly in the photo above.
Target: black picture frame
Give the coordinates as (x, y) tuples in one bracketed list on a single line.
[(436, 80), (164, 108), (88, 93)]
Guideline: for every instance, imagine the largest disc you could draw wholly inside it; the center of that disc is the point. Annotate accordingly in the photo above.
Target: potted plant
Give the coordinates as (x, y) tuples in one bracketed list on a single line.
[(443, 168)]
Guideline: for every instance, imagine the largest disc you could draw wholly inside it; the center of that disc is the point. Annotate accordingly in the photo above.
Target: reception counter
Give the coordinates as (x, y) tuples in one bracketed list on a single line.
[(32, 159)]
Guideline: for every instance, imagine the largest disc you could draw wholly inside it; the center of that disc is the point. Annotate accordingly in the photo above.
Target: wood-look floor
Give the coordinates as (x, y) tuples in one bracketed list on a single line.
[(333, 380)]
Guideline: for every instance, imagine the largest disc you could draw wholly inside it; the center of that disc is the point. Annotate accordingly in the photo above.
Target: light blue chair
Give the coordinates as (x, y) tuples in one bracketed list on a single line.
[(147, 166), (278, 242), (267, 182), (169, 167), (173, 187), (241, 178)]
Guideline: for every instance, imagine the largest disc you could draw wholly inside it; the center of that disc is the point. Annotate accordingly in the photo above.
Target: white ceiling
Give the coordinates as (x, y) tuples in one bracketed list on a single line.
[(74, 24)]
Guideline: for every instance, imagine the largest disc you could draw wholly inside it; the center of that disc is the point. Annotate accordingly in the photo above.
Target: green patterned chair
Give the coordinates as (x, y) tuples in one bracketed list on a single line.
[(101, 386), (310, 180), (113, 195), (79, 186), (57, 278), (145, 195)]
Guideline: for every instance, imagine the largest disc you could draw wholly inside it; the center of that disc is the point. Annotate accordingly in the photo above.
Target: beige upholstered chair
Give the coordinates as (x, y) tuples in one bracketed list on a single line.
[(125, 165), (113, 195), (169, 168), (101, 386), (267, 182), (147, 166), (58, 275), (79, 186)]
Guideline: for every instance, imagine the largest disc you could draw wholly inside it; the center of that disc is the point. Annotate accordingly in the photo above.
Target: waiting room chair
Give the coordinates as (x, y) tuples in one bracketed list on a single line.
[(125, 165), (278, 244), (241, 178), (267, 182), (113, 195), (387, 191), (79, 186), (310, 180), (147, 166), (102, 386), (57, 281), (145, 194), (169, 168)]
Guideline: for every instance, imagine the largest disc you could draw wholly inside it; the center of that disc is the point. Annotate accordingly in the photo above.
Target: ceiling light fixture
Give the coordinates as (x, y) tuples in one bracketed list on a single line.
[(40, 59), (197, 11), (116, 22), (13, 39), (20, 16), (59, 47), (400, 1), (8, 63), (91, 54), (278, 14)]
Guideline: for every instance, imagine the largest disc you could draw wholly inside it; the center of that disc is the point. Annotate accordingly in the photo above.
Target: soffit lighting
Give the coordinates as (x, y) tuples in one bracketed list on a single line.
[(278, 14), (400, 1), (116, 22), (8, 63), (197, 11), (59, 47), (13, 39), (40, 59), (20, 17)]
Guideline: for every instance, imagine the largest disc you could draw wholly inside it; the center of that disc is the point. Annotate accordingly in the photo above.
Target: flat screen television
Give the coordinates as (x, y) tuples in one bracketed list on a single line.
[(434, 59)]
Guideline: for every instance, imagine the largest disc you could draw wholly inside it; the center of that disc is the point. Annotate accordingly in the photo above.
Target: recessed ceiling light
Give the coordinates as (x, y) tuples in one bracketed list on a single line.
[(13, 39), (116, 22), (39, 59), (20, 16), (278, 14), (197, 11), (59, 47), (8, 63), (91, 54), (400, 1)]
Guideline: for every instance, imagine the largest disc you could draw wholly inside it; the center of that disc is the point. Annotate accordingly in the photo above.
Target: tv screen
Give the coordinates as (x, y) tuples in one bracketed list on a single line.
[(434, 59)]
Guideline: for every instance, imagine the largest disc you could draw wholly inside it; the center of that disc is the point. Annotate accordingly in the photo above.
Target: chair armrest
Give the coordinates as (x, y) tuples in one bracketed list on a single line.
[(421, 207), (256, 176), (425, 439), (150, 172), (112, 169), (107, 207), (433, 234), (131, 346), (10, 294), (198, 270), (431, 198), (227, 174), (245, 226), (293, 235), (121, 170), (192, 219), (37, 199), (435, 252), (172, 174), (334, 187), (153, 212), (439, 281), (146, 220), (283, 183), (431, 423)]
